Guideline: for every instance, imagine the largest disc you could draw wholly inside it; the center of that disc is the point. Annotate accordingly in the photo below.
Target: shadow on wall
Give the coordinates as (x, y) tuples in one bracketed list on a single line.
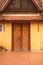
[(3, 49)]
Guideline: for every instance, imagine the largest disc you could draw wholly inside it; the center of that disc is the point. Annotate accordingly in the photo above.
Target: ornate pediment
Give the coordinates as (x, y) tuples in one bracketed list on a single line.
[(21, 5), (3, 4)]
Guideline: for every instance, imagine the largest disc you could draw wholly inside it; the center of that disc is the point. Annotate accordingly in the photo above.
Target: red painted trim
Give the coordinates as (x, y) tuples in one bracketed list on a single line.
[(5, 5), (37, 5)]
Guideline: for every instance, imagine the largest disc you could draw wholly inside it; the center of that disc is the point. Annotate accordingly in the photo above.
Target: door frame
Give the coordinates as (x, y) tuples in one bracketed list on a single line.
[(12, 46)]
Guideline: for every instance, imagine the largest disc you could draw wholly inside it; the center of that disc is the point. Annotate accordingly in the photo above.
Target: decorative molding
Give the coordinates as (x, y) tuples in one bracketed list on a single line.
[(31, 17), (37, 5), (4, 5)]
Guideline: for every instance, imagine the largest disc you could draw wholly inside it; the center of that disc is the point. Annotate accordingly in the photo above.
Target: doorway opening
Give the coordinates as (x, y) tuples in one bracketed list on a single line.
[(21, 36)]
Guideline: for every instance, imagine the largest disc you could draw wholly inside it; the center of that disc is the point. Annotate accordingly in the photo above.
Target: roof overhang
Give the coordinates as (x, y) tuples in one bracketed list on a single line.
[(4, 5)]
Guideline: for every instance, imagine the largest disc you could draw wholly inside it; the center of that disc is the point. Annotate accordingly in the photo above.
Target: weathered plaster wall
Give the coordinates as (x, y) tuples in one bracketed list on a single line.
[(6, 35), (36, 36), (41, 35)]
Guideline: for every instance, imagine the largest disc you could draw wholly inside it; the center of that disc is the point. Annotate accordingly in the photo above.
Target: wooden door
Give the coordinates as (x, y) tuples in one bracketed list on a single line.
[(17, 37), (25, 37), (21, 37)]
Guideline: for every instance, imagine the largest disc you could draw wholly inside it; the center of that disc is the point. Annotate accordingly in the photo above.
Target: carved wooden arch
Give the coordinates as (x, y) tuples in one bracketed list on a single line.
[(3, 4), (37, 4)]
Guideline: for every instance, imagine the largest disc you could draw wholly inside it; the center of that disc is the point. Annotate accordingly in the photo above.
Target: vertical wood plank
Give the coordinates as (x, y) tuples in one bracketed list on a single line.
[(25, 37)]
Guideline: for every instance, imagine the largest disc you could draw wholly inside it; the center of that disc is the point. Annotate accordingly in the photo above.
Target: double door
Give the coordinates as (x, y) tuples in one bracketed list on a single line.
[(21, 37)]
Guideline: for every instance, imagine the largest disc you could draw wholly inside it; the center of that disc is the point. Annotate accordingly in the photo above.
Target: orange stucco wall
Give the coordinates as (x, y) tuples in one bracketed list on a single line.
[(41, 35), (6, 35), (35, 39), (36, 36)]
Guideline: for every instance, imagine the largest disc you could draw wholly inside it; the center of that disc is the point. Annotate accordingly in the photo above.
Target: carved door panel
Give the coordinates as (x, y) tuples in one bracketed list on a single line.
[(21, 37), (25, 37), (17, 37)]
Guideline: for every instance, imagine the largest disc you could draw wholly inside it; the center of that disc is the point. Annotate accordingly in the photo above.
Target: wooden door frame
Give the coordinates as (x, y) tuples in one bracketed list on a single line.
[(29, 46), (12, 47)]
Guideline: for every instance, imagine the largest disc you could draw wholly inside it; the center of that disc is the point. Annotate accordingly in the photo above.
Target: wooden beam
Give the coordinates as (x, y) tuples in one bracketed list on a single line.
[(21, 17), (1, 17)]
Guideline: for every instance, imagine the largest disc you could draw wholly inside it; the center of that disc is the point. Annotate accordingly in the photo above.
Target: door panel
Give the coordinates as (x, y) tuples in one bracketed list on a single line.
[(21, 37), (17, 37), (25, 37)]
